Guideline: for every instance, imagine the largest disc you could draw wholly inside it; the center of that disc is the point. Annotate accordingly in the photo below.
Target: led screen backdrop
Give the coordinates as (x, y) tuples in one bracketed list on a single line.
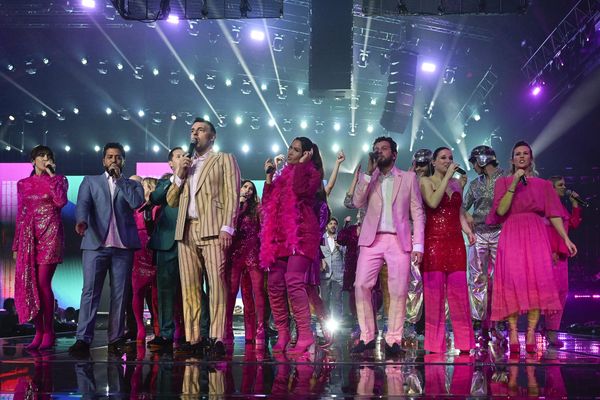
[(68, 278)]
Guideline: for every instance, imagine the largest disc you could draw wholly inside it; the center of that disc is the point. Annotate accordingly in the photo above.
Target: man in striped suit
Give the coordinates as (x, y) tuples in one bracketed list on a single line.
[(206, 190)]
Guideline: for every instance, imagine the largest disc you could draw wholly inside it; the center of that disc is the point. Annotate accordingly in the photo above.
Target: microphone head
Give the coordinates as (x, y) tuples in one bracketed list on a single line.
[(568, 192), (51, 168), (461, 171), (111, 172), (191, 149), (270, 169)]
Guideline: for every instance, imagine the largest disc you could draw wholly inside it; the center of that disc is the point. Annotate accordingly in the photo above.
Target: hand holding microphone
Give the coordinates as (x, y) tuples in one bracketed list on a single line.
[(114, 171), (574, 197), (269, 167), (50, 169)]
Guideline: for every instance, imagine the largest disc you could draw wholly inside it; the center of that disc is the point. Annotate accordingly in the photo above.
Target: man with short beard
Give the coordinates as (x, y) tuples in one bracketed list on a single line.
[(392, 198)]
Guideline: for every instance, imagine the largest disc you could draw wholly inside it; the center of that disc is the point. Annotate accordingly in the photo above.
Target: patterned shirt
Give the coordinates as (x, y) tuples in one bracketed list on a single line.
[(480, 195)]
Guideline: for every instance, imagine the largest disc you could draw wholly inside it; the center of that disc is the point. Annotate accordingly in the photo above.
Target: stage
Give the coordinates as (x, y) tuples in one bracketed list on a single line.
[(573, 371)]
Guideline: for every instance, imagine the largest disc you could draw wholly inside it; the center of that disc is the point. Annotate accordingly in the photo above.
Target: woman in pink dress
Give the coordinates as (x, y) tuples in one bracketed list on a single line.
[(39, 244), (143, 275), (243, 267), (445, 256), (559, 255), (290, 238), (524, 281)]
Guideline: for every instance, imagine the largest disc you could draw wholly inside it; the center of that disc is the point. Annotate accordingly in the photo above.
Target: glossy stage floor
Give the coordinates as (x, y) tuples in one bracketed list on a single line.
[(573, 371)]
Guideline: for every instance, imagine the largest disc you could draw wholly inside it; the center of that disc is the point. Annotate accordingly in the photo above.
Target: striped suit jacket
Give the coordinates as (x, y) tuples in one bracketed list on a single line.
[(217, 196)]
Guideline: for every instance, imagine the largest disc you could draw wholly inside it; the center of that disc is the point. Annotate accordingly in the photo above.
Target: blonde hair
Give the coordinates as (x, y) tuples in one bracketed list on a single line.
[(150, 182)]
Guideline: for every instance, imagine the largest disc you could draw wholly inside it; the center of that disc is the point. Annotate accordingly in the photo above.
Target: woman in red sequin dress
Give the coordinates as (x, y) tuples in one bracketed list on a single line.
[(445, 257), (39, 244)]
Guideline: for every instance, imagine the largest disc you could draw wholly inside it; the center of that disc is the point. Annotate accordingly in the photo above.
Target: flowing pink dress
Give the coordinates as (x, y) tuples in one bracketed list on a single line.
[(524, 278), (39, 236)]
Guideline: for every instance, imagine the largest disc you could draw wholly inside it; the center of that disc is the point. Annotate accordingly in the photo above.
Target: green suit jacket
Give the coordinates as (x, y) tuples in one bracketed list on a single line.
[(163, 237)]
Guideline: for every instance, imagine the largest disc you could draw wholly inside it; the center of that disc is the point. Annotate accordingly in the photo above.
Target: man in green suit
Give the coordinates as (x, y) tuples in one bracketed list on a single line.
[(162, 241)]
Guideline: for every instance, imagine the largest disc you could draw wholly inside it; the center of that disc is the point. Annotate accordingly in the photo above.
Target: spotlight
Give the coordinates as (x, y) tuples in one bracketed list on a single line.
[(245, 148), (271, 122), (126, 147), (43, 113), (428, 67), (155, 148), (476, 117), (7, 148), (46, 61), (463, 135), (11, 117), (303, 124), (216, 148), (337, 126), (536, 90), (206, 117), (263, 87), (458, 141), (155, 71), (228, 82), (238, 120), (335, 148), (373, 101), (365, 148), (120, 66), (370, 128), (184, 147), (88, 3), (191, 77), (257, 35), (141, 113), (108, 111), (173, 19), (300, 92), (275, 148), (173, 117), (67, 148), (75, 110), (332, 325), (84, 61), (96, 148), (10, 67)]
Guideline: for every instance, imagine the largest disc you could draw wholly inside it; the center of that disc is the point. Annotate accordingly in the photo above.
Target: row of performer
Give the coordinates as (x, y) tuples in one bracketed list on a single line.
[(194, 235)]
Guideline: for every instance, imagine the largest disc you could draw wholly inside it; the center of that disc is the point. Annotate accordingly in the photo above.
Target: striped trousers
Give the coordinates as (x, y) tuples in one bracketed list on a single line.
[(195, 255)]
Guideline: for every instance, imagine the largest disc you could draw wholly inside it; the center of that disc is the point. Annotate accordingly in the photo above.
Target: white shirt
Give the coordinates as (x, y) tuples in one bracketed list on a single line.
[(193, 177), (331, 242), (386, 221), (112, 238)]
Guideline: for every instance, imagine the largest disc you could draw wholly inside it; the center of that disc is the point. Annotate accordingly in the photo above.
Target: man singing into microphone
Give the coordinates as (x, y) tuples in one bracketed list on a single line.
[(206, 190), (105, 207)]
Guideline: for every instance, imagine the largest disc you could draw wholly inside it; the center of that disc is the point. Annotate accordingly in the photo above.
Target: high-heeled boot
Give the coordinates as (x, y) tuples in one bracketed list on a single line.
[(39, 332), (279, 308)]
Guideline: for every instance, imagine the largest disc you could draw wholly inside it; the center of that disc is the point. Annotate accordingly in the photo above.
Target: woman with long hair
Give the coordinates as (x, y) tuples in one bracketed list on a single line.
[(39, 244), (243, 267), (445, 257), (290, 238), (524, 282)]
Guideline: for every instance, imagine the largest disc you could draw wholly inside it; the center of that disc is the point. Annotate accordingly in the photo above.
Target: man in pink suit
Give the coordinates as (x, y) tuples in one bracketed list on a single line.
[(392, 198)]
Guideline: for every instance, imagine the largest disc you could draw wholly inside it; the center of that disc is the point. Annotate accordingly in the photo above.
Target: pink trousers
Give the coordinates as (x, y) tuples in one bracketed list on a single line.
[(561, 278), (386, 249), (252, 282), (437, 286)]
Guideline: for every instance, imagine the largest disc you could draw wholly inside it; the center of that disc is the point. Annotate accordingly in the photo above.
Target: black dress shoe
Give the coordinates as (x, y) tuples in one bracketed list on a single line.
[(79, 348), (218, 349), (189, 349), (361, 346), (394, 350), (120, 346), (160, 342)]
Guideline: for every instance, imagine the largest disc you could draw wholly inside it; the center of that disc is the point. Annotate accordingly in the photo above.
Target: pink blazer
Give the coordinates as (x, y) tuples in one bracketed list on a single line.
[(407, 205)]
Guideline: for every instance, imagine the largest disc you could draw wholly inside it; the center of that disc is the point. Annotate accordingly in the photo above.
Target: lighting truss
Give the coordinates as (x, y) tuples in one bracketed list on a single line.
[(443, 7), (479, 94)]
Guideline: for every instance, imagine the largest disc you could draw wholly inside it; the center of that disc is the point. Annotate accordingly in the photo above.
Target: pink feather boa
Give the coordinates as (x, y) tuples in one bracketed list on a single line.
[(282, 217)]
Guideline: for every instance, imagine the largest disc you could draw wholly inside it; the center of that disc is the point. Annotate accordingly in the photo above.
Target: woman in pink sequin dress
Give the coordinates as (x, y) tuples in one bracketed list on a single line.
[(39, 244), (524, 280), (445, 257)]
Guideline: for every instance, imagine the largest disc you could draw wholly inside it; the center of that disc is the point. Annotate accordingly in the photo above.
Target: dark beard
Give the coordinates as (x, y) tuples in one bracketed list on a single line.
[(384, 163)]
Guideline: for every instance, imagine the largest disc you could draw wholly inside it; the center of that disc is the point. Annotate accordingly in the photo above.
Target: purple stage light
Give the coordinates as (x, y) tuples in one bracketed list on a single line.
[(258, 35), (536, 90), (428, 67), (88, 3), (173, 19)]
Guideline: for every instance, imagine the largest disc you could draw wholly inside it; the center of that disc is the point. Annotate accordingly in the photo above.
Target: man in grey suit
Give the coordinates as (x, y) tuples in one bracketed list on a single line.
[(332, 270), (104, 217)]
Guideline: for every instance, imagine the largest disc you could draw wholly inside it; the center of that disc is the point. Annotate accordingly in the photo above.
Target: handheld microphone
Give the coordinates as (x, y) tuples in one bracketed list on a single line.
[(579, 201), (373, 156), (461, 171), (270, 169), (191, 149), (51, 168), (112, 173), (523, 180)]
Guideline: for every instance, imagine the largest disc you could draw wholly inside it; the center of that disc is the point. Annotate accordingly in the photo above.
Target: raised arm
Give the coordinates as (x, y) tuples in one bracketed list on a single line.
[(132, 191), (506, 200), (432, 197), (336, 169)]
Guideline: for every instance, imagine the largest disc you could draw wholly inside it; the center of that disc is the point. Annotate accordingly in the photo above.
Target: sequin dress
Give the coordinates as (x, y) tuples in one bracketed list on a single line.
[(246, 241), (444, 244), (39, 236)]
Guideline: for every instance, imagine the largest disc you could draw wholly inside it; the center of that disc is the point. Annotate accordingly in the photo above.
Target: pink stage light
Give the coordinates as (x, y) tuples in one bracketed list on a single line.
[(536, 90), (88, 3), (173, 19)]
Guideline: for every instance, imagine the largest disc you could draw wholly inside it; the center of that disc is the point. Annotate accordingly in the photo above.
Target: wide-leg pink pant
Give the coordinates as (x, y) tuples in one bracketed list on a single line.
[(561, 278), (439, 285), (386, 249)]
